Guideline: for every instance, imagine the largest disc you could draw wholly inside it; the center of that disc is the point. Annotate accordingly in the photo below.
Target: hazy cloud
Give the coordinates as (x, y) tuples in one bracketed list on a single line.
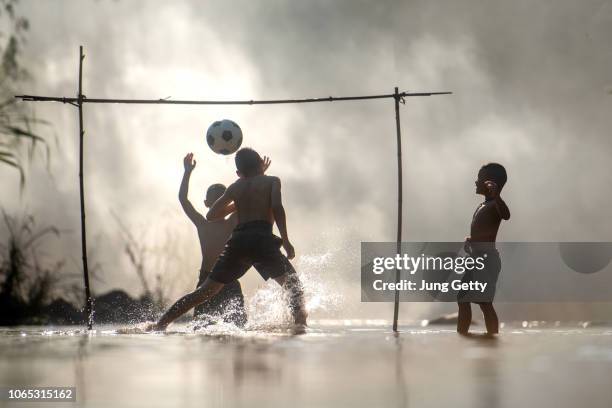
[(531, 85)]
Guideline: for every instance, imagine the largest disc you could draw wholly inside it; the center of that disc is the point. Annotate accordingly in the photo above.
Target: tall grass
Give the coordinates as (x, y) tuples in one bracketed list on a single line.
[(25, 284), (18, 140)]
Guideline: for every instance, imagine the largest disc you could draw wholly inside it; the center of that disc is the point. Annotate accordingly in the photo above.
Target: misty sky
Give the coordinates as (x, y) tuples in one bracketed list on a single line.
[(532, 89)]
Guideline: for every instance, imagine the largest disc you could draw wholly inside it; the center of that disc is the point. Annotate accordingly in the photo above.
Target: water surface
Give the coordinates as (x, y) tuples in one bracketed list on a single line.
[(334, 364)]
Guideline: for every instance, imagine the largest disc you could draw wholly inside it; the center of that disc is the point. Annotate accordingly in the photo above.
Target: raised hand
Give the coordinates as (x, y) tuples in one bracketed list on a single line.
[(266, 163), (492, 187), (189, 162)]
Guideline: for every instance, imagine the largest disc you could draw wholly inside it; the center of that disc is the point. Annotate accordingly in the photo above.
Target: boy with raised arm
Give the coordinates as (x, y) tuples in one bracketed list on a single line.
[(257, 201), (229, 302), (481, 243)]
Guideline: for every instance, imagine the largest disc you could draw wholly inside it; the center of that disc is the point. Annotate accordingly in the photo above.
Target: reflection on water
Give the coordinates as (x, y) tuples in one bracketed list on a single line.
[(336, 363), (400, 375), (485, 371)]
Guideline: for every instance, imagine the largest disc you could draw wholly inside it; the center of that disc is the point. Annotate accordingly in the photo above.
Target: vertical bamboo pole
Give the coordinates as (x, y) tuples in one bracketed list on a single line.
[(399, 203), (88, 299)]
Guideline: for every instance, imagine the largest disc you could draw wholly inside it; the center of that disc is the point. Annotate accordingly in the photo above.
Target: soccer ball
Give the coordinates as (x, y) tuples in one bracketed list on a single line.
[(224, 137)]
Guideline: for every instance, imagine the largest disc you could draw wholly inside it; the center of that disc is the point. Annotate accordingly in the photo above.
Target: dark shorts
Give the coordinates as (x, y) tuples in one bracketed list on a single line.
[(489, 274), (251, 244), (227, 305)]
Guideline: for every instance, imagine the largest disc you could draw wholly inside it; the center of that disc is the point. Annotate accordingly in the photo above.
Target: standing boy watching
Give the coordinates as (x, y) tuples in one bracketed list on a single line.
[(481, 242)]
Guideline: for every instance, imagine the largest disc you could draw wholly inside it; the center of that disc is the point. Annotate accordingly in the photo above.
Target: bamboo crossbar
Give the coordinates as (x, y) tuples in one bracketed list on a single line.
[(69, 100)]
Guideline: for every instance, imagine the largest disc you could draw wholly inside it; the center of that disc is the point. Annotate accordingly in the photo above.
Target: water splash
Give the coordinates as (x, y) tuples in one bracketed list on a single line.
[(268, 308), (321, 289)]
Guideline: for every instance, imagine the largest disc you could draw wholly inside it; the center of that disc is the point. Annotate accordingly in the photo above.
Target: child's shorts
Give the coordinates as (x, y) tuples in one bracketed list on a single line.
[(251, 244), (489, 275)]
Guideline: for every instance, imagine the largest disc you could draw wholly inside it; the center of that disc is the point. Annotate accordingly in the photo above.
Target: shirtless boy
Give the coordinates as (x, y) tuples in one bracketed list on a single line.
[(257, 201), (228, 304), (481, 242)]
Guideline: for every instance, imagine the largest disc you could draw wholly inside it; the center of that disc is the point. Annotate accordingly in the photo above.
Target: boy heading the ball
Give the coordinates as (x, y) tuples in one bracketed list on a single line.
[(228, 304), (257, 201)]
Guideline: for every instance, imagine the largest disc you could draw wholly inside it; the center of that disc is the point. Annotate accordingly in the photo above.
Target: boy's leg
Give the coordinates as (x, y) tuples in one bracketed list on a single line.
[(491, 274), (270, 262), (238, 313), (464, 317), (200, 310), (490, 317), (291, 283), (209, 289), (228, 304), (229, 267)]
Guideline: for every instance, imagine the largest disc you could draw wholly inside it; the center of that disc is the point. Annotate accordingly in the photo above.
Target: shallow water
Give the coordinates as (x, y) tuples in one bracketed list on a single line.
[(335, 363)]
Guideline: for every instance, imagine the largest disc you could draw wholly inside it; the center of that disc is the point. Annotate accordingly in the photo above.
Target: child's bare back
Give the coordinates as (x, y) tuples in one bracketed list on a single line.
[(257, 200), (253, 197)]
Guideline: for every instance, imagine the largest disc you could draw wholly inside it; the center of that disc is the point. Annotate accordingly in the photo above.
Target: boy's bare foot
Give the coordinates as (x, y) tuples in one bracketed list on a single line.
[(152, 327), (479, 336), (298, 329)]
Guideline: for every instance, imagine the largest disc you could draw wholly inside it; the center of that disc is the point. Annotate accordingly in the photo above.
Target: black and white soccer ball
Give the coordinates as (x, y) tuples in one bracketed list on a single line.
[(224, 136)]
